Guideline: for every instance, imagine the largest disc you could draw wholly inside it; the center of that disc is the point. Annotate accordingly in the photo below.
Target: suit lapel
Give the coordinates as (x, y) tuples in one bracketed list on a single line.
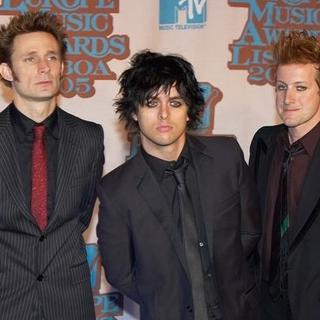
[(201, 160), (149, 190), (309, 198), (67, 156), (263, 179), (9, 166)]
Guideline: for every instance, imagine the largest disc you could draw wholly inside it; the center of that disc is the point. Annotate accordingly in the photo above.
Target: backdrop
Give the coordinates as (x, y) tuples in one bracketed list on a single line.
[(228, 43)]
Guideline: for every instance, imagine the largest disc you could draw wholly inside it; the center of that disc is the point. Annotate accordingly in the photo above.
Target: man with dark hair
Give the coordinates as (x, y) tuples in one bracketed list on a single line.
[(50, 163), (285, 160), (178, 222)]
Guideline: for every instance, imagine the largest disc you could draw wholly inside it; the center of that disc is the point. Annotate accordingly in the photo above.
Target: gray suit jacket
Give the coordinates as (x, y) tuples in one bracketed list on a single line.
[(140, 245), (46, 276)]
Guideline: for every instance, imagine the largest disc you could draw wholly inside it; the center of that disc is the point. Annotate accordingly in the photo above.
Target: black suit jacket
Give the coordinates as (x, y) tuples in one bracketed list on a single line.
[(46, 275), (304, 235), (139, 242)]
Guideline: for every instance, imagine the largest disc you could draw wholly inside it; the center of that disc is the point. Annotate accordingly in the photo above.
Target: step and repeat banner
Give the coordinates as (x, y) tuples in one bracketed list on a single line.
[(227, 41)]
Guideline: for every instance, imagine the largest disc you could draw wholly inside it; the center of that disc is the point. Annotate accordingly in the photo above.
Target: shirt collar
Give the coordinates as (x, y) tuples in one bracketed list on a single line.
[(159, 166), (308, 141), (23, 125)]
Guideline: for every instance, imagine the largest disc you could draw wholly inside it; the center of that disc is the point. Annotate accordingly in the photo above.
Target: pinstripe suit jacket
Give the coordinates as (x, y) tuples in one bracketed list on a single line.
[(46, 275)]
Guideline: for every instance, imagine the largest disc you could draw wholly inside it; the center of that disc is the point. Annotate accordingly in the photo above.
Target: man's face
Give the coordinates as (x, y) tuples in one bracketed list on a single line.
[(297, 97), (162, 122), (36, 67)]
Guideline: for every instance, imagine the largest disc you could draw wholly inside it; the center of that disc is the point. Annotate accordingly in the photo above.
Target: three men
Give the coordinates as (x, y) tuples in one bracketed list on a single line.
[(178, 222), (50, 163), (285, 160)]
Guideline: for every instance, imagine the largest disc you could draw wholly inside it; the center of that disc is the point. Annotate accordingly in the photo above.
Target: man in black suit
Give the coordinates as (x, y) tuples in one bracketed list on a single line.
[(285, 160), (178, 246), (50, 163)]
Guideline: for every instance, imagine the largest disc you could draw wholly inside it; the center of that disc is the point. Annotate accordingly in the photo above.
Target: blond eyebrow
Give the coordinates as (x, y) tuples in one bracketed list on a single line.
[(297, 82)]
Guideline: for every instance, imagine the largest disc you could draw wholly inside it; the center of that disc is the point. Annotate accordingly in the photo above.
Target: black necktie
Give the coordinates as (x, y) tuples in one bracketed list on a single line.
[(190, 240), (280, 240)]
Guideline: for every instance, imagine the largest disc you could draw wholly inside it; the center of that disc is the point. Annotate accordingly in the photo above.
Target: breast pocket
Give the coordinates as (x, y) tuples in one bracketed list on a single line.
[(80, 273)]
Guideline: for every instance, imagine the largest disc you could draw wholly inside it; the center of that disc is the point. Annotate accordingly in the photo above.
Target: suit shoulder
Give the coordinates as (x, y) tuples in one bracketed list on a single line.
[(72, 119), (115, 185), (219, 144), (265, 135), (84, 128), (267, 131), (119, 175)]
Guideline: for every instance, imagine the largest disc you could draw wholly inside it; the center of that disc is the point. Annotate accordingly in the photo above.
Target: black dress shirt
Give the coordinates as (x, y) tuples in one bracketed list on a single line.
[(298, 167), (166, 182), (296, 175), (23, 132)]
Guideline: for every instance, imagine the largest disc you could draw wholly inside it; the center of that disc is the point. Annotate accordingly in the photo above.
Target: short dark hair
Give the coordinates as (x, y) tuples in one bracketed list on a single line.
[(26, 23), (151, 72), (297, 47)]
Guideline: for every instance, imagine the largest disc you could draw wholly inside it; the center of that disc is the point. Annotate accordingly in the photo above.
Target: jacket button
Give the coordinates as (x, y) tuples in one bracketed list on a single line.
[(40, 277), (189, 309), (42, 237)]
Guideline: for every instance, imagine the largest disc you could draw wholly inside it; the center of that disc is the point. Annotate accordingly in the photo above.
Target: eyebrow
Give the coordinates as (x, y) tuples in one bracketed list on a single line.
[(34, 52), (176, 97), (171, 98), (297, 82)]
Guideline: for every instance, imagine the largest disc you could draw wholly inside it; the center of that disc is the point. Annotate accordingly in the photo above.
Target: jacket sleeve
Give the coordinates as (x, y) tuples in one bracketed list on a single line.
[(255, 150), (116, 248), (97, 149), (250, 213)]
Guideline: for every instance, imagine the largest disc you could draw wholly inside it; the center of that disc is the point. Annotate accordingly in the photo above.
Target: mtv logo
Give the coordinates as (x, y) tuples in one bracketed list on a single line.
[(195, 11)]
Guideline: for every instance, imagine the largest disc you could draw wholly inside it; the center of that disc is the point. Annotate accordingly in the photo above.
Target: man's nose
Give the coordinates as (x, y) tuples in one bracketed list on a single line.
[(289, 96), (43, 66), (163, 111)]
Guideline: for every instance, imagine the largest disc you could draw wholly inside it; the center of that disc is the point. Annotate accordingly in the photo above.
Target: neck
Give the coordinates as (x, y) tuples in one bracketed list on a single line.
[(167, 153), (37, 111), (294, 134), (163, 154)]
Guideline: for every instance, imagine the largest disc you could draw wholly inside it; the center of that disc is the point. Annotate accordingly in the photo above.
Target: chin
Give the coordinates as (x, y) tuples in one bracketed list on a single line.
[(44, 98), (291, 124)]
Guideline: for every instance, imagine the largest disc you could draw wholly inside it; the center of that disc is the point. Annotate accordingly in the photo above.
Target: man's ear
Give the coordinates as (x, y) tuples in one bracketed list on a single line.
[(6, 72)]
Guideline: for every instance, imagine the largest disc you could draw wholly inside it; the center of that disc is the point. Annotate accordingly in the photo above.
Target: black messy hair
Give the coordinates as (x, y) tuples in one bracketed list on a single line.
[(151, 73)]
